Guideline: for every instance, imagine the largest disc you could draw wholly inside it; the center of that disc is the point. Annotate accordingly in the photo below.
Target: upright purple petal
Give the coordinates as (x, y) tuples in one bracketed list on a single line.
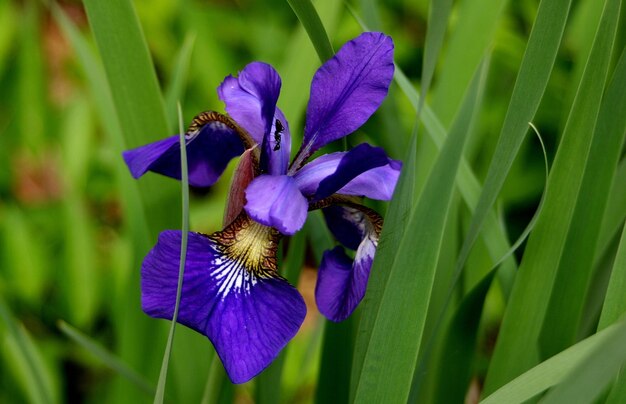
[(208, 153), (341, 282), (277, 147), (346, 91), (276, 201), (363, 171), (246, 310), (251, 100)]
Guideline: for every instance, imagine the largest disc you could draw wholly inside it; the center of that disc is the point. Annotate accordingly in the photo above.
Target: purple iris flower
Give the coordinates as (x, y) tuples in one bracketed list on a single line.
[(232, 292)]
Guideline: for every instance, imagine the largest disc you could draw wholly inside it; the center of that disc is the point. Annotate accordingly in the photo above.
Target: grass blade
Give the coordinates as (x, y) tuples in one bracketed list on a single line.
[(458, 349), (176, 88), (615, 301), (472, 36), (467, 182), (459, 345), (525, 312), (529, 88), (160, 393), (565, 311), (615, 213), (554, 370), (309, 18), (614, 307), (437, 24), (391, 353), (136, 95), (393, 230), (138, 106)]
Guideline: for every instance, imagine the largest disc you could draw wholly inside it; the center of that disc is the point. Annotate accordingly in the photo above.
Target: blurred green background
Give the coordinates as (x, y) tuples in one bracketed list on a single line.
[(68, 249)]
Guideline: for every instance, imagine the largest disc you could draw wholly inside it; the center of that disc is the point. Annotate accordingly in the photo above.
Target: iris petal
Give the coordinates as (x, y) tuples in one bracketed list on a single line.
[(346, 91), (231, 294), (348, 230), (276, 201), (341, 282), (363, 171), (208, 153), (251, 100)]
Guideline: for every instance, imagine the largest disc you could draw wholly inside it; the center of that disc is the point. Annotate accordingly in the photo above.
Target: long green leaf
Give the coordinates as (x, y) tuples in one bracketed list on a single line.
[(459, 345), (529, 87), (554, 370), (394, 343), (467, 182), (614, 308), (101, 94), (515, 349), (176, 87), (564, 314), (437, 24), (472, 35), (392, 233), (136, 95), (615, 213), (458, 350), (615, 301), (138, 106), (311, 21)]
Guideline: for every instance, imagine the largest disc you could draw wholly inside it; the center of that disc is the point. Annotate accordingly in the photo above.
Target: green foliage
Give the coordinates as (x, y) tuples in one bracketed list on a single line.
[(83, 82)]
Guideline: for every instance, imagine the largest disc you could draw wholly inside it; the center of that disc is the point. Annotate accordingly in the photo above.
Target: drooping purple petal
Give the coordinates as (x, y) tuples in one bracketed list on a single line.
[(341, 282), (251, 100), (276, 201), (363, 171), (347, 90), (208, 154), (346, 225), (248, 316)]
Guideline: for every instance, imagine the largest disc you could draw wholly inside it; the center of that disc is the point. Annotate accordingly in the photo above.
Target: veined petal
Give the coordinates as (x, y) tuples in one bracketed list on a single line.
[(363, 171), (276, 201), (209, 149), (231, 293), (251, 100), (346, 91), (341, 282)]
